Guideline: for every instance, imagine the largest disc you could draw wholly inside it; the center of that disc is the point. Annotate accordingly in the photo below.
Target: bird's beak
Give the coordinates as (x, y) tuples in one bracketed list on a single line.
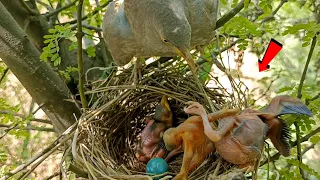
[(185, 53)]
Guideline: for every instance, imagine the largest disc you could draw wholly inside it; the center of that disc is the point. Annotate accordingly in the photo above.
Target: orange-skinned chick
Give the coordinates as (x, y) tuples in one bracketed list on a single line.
[(239, 138), (190, 137)]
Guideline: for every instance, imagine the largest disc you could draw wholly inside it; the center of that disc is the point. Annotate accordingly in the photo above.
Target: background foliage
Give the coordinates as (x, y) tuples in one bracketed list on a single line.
[(294, 23)]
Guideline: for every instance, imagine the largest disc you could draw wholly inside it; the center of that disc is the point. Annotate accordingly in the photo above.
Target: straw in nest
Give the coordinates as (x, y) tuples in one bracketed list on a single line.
[(106, 134)]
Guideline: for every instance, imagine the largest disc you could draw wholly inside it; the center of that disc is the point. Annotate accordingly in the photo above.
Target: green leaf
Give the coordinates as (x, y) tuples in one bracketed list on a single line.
[(48, 36), (246, 3), (91, 51), (54, 57), (44, 56), (224, 2), (52, 31), (305, 44), (57, 61), (315, 139)]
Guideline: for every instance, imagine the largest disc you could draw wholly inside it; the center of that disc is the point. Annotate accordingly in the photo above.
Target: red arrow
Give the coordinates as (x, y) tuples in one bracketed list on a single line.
[(273, 48)]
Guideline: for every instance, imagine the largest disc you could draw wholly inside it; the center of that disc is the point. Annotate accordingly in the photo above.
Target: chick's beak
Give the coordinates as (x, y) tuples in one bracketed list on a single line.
[(185, 53)]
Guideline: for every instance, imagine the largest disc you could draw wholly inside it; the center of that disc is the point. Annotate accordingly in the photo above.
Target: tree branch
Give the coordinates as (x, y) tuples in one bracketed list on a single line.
[(224, 19), (22, 58), (57, 11), (274, 12), (26, 128), (80, 60), (30, 11)]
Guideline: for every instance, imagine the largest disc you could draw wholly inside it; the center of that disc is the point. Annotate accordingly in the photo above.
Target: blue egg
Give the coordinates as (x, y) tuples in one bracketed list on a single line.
[(157, 166)]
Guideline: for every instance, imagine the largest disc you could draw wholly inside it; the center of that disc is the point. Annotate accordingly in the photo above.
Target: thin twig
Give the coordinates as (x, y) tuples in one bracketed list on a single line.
[(30, 11), (47, 151), (4, 75), (274, 12), (24, 117), (86, 16), (52, 176), (224, 19), (305, 150), (38, 108), (45, 5), (265, 93), (97, 29), (80, 60), (8, 130), (26, 128), (312, 99), (57, 11)]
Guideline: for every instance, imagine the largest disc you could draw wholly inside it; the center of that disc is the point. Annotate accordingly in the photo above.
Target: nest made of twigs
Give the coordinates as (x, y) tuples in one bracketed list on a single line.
[(107, 132)]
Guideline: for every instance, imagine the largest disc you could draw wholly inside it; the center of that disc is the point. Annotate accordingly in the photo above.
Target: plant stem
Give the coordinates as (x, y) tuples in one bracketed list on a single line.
[(80, 63), (299, 95)]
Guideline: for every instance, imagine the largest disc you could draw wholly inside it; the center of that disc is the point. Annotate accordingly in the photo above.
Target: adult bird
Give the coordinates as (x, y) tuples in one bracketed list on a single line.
[(146, 28)]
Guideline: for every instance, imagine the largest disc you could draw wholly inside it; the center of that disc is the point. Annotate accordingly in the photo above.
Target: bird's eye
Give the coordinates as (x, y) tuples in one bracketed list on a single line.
[(165, 41)]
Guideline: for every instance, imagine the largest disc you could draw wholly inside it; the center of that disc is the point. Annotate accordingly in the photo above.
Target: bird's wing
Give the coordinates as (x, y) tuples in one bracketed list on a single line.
[(136, 10), (280, 105), (117, 34), (278, 132)]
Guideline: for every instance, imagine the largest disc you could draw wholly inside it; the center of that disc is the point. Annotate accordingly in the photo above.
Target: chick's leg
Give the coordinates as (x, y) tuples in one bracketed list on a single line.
[(225, 125), (196, 161), (174, 153), (187, 157)]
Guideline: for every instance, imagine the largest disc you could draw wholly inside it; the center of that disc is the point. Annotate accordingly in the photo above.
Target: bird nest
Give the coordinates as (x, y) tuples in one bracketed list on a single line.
[(107, 133)]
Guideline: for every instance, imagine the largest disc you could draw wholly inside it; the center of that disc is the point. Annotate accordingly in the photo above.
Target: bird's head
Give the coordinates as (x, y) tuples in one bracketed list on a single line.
[(175, 31), (172, 139), (163, 112)]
